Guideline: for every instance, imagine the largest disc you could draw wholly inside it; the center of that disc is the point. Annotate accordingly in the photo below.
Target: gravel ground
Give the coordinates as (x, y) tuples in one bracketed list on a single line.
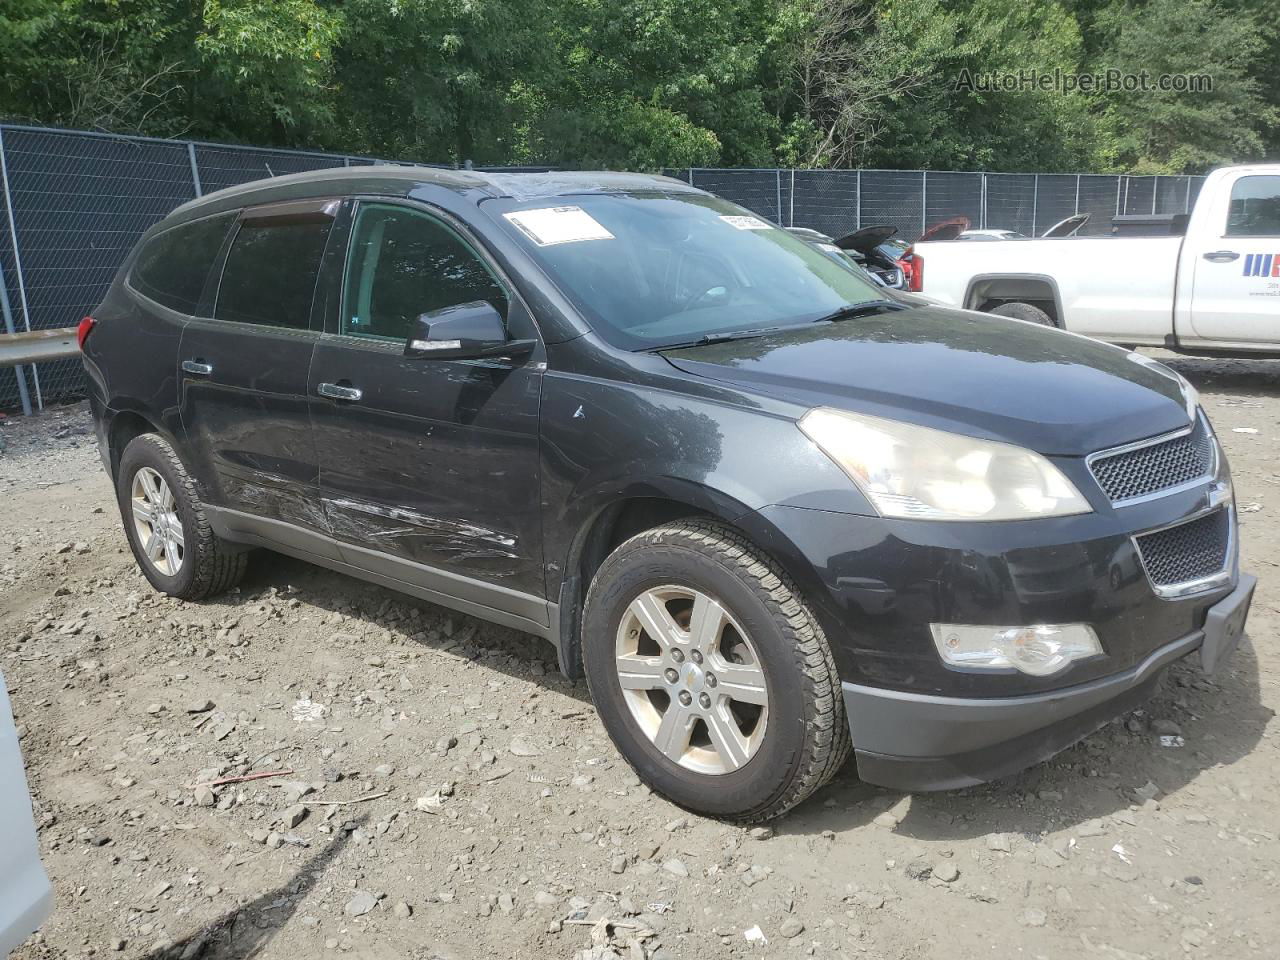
[(450, 795)]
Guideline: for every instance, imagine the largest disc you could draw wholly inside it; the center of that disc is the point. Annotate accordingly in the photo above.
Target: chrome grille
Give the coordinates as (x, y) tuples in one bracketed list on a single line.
[(1189, 551), (1162, 465)]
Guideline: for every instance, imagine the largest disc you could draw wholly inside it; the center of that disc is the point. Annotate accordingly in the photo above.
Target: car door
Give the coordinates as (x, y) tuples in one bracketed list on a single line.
[(244, 371), (429, 467), (1236, 291)]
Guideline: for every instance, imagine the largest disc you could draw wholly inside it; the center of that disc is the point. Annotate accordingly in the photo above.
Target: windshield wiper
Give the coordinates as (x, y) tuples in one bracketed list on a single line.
[(851, 310), (719, 338)]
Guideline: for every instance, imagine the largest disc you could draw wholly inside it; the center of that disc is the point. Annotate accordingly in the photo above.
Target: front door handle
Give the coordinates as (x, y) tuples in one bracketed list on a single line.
[(198, 367), (1221, 256), (335, 391)]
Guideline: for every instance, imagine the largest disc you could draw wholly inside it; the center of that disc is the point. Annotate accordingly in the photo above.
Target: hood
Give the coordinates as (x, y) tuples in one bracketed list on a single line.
[(945, 230), (1068, 227), (867, 239), (970, 373)]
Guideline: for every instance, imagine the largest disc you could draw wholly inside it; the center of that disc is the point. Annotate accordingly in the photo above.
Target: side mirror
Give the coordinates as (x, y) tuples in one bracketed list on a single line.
[(467, 331)]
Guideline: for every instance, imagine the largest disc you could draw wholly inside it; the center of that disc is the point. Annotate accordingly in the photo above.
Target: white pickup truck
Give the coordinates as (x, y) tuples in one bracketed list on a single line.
[(1215, 289)]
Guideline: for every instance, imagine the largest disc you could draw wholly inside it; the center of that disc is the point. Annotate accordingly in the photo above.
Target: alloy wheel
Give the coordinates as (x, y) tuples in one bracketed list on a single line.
[(156, 521), (692, 679)]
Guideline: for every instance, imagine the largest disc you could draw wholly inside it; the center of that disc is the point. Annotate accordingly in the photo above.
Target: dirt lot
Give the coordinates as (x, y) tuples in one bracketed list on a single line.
[(451, 796)]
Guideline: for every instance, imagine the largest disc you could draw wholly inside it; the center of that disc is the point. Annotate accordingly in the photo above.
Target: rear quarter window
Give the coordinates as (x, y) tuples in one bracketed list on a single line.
[(172, 266)]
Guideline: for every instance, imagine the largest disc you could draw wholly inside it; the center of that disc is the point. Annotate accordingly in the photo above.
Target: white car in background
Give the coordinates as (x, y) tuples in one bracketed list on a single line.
[(1210, 285), (26, 898)]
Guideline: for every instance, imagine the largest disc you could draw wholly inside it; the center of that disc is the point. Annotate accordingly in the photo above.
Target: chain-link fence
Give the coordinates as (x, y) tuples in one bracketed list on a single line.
[(74, 203), (837, 202)]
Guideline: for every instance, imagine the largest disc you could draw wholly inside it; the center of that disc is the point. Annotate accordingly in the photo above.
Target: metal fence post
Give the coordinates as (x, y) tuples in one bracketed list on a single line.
[(18, 372), (195, 169), (777, 185), (857, 206), (17, 260), (1155, 192), (1035, 203), (791, 211), (1077, 209), (1186, 202), (691, 176), (924, 201), (1119, 181)]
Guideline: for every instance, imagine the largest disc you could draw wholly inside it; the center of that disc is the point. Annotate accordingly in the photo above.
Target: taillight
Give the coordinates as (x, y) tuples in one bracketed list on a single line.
[(83, 331)]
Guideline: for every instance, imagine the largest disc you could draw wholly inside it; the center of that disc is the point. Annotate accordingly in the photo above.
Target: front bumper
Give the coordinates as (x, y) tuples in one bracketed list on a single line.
[(910, 741)]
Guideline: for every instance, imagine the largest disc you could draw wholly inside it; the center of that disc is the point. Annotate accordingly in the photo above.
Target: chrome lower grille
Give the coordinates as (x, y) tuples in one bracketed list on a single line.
[(1150, 468), (1189, 551)]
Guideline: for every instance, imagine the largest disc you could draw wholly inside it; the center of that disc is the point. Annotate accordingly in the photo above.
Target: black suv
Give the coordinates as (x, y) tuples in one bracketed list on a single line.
[(772, 512)]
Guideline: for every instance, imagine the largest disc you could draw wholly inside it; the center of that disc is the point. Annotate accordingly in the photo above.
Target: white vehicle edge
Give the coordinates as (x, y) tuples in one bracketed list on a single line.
[(26, 897), (1215, 289)]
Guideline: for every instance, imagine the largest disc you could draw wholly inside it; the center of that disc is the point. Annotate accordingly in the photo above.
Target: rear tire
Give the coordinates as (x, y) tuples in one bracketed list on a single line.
[(780, 691), (165, 522), (1024, 311)]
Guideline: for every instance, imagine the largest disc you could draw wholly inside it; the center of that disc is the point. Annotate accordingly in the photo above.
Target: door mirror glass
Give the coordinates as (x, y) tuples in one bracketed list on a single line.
[(466, 331)]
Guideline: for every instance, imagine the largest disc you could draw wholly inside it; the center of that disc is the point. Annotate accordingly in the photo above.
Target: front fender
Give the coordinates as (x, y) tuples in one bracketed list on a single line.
[(606, 440)]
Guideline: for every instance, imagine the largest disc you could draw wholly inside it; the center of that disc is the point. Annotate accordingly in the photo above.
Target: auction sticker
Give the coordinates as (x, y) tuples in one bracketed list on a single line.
[(551, 225), (747, 223)]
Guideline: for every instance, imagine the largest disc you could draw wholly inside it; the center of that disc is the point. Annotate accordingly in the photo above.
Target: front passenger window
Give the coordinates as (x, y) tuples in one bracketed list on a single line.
[(403, 263)]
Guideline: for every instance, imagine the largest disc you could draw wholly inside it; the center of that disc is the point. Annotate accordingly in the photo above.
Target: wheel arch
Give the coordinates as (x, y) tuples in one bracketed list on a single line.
[(640, 507), (990, 289)]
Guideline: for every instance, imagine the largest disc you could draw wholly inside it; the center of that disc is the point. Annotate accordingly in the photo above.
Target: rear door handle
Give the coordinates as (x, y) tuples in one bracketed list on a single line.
[(1221, 256), (337, 392), (198, 367)]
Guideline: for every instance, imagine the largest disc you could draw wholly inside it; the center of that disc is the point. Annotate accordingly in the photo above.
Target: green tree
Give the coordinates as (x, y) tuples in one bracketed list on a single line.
[(1193, 131)]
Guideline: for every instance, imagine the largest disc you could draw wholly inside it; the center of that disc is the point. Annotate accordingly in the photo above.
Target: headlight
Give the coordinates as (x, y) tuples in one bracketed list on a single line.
[(1038, 650), (920, 473)]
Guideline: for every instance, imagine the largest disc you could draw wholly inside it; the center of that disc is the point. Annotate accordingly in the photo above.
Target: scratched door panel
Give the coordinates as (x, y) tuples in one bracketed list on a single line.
[(437, 462)]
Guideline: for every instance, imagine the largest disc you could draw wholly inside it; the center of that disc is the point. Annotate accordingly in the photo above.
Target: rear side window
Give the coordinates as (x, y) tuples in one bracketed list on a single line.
[(172, 266), (270, 274), (1255, 208)]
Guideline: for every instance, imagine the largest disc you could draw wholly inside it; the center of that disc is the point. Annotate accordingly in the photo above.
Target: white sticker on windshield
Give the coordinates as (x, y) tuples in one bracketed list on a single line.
[(747, 223), (550, 225)]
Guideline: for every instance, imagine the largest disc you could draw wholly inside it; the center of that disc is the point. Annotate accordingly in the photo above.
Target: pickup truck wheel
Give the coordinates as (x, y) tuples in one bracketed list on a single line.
[(165, 523), (1024, 311), (711, 675)]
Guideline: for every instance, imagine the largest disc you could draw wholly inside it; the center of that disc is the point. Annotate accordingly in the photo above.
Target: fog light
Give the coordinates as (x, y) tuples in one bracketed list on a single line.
[(1040, 649)]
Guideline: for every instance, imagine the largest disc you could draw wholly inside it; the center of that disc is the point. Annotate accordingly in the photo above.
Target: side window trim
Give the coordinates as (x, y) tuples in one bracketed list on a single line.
[(446, 220)]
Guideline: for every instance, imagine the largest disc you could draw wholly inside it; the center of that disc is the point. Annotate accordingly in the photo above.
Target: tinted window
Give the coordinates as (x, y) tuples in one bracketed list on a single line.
[(1255, 208), (172, 266), (403, 263), (270, 274)]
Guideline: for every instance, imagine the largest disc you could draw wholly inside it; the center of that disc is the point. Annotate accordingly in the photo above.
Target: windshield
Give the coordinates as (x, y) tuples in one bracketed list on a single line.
[(653, 269)]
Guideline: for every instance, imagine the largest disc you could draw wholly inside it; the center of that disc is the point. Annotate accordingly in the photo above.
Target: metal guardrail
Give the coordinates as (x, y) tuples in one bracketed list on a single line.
[(36, 346)]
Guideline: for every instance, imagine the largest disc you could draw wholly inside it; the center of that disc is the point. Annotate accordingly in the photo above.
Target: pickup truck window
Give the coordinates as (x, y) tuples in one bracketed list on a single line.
[(1255, 207)]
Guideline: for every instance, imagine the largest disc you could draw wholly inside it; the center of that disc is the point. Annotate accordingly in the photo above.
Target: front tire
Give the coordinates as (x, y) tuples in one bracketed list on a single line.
[(164, 520), (711, 675)]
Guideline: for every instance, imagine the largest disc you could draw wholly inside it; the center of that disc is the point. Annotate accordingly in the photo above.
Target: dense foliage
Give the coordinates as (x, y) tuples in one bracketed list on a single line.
[(652, 83)]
